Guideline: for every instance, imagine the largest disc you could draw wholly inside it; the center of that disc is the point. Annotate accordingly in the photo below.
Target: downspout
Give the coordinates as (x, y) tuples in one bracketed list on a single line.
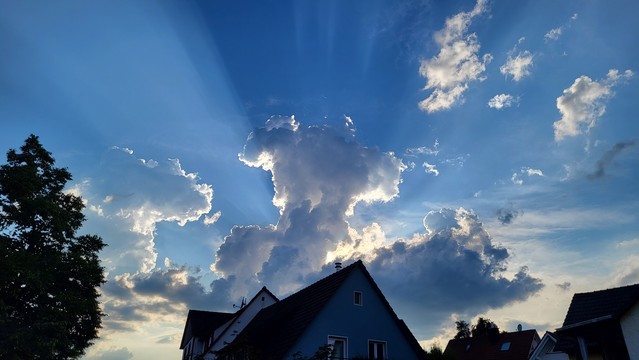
[(583, 349)]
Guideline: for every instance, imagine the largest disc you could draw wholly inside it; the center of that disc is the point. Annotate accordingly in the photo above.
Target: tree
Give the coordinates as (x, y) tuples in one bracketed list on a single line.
[(463, 329), (483, 327), (436, 353), (49, 276)]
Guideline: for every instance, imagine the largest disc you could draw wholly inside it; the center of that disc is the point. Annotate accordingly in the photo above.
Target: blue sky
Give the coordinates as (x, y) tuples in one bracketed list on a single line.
[(480, 156)]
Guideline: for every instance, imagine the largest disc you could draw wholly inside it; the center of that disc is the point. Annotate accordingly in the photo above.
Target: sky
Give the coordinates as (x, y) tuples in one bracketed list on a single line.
[(478, 156)]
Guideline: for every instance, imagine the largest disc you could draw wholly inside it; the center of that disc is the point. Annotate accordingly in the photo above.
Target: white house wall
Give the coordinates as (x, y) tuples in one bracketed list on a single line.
[(227, 333), (630, 329)]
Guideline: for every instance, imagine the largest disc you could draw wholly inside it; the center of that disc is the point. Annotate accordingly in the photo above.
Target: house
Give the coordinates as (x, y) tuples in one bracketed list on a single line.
[(602, 324), (546, 349), (516, 345), (345, 312), (198, 331), (206, 332)]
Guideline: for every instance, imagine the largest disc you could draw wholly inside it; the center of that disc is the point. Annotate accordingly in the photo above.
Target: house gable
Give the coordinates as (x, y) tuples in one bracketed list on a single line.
[(198, 329), (227, 333), (359, 313), (630, 329), (281, 330), (596, 323)]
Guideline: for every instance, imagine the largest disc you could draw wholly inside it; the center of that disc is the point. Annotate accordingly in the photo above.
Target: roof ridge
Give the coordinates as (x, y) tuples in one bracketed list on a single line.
[(609, 289)]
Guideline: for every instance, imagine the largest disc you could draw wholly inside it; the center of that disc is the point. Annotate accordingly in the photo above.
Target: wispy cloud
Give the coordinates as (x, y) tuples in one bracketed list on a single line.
[(584, 102), (456, 65), (430, 168), (507, 215), (517, 179), (607, 158), (501, 101), (555, 33), (424, 150), (517, 66)]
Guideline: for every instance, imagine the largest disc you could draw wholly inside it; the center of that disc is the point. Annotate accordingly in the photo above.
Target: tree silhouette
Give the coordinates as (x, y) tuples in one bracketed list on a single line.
[(483, 327), (463, 329), (49, 276)]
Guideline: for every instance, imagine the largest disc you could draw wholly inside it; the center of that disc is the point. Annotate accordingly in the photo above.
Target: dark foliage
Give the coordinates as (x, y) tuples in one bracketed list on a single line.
[(484, 327), (49, 276), (436, 353), (463, 329)]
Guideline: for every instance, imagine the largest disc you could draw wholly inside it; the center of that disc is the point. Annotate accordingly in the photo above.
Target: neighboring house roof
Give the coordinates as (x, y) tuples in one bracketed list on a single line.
[(545, 347), (490, 347), (201, 324), (285, 321), (237, 315), (600, 305)]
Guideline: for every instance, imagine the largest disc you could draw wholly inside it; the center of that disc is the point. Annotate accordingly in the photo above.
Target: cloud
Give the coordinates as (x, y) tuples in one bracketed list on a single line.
[(519, 66), (565, 286), (516, 177), (584, 102), (424, 150), (162, 294), (457, 64), (554, 33), (127, 197), (435, 273), (431, 169), (607, 158), (208, 220), (112, 354), (507, 215), (501, 101), (319, 174)]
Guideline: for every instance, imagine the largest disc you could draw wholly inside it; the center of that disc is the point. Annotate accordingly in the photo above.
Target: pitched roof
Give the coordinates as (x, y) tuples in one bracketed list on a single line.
[(483, 347), (238, 313), (202, 324), (285, 321), (600, 305)]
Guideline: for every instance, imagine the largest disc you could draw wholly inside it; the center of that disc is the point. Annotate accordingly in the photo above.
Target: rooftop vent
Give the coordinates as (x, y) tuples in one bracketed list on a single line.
[(338, 266)]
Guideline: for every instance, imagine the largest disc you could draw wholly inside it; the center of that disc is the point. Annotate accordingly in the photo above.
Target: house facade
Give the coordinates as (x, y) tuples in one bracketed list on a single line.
[(495, 345), (344, 312), (602, 324), (206, 332)]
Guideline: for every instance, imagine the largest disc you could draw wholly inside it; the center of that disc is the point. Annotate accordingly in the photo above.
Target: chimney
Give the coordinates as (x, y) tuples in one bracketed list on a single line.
[(338, 266)]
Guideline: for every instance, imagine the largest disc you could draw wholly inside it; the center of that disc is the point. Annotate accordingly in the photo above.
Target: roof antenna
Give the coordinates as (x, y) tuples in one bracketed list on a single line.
[(242, 304), (338, 266)]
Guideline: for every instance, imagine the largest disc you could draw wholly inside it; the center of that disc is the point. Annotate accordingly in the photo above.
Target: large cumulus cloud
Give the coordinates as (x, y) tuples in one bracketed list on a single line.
[(452, 267), (127, 197), (319, 174)]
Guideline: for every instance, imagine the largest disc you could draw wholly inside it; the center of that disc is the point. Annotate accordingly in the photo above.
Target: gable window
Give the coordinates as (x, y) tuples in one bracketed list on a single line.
[(339, 347), (505, 346), (377, 350), (358, 299)]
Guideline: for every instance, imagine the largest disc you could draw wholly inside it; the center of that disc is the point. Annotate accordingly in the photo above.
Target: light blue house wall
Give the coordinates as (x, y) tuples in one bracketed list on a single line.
[(359, 324)]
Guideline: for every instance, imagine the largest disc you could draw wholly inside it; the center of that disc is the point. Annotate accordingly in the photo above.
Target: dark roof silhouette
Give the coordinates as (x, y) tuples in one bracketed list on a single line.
[(601, 305), (202, 324), (487, 347), (274, 331)]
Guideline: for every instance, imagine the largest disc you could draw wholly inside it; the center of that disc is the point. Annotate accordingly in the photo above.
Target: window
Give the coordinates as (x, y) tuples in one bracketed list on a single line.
[(339, 345), (505, 346), (376, 350), (357, 298)]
